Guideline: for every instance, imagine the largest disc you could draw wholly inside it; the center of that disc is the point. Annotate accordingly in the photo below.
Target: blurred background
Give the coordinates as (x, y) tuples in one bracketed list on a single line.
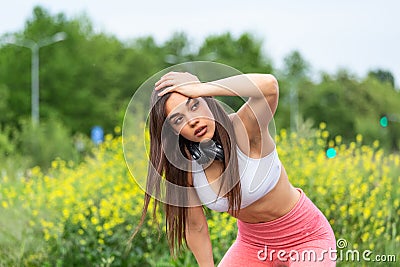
[(336, 63), (68, 70)]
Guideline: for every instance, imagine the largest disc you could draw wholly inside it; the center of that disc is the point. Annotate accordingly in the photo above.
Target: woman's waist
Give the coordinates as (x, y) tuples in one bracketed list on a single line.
[(304, 221), (279, 201)]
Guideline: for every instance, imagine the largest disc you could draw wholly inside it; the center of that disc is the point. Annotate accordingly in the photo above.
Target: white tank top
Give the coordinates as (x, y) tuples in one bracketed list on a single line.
[(257, 178)]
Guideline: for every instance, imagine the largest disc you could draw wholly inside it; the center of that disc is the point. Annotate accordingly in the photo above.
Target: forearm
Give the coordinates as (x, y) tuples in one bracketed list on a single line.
[(199, 243), (245, 85)]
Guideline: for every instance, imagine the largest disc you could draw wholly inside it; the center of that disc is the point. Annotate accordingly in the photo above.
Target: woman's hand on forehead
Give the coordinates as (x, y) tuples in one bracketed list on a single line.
[(180, 82)]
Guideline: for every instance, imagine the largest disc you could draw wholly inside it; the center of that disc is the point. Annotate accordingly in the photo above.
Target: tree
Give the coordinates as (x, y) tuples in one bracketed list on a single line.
[(89, 78), (79, 78), (177, 49), (293, 81), (330, 101), (383, 76), (4, 109), (243, 53), (295, 66)]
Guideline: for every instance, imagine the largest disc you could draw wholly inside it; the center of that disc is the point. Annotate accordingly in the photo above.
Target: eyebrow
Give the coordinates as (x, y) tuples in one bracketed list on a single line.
[(176, 114)]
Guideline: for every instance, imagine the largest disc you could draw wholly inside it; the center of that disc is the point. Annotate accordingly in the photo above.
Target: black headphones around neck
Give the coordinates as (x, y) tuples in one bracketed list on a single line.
[(205, 152)]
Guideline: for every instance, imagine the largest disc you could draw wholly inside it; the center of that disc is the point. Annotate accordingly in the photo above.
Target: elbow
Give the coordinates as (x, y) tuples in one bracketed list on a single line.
[(196, 227), (270, 86), (270, 90)]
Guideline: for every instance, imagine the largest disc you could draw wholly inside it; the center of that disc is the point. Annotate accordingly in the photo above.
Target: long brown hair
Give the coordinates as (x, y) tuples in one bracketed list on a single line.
[(162, 140)]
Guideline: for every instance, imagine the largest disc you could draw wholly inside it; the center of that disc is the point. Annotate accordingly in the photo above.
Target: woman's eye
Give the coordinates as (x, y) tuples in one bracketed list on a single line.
[(195, 105), (178, 120)]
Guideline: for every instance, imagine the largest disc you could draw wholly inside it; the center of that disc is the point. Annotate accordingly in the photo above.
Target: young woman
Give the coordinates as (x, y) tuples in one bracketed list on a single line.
[(230, 164)]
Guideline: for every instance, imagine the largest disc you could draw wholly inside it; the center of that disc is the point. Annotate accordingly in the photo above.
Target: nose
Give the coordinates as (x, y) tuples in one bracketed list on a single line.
[(192, 122)]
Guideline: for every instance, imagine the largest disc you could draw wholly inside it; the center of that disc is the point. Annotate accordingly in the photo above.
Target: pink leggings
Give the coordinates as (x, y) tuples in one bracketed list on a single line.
[(302, 237)]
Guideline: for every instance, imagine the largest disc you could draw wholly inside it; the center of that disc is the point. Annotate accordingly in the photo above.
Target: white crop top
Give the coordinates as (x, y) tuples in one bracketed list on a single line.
[(257, 178)]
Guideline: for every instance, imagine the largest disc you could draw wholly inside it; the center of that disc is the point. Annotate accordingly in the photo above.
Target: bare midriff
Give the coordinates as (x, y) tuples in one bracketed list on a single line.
[(278, 202)]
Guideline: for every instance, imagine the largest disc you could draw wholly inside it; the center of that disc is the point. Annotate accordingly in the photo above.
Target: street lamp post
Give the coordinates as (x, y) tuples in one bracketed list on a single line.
[(35, 46)]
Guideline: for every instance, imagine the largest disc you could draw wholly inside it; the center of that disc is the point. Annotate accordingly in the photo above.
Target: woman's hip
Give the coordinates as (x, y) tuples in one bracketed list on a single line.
[(303, 224)]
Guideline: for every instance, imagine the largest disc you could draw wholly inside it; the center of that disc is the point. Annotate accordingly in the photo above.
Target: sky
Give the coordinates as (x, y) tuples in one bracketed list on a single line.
[(357, 35)]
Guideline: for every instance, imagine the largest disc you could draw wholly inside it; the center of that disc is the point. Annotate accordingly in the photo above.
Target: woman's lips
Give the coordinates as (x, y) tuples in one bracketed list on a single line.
[(201, 131)]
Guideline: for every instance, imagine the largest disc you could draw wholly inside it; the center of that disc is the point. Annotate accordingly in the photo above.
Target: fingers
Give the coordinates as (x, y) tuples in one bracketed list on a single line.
[(167, 90), (165, 81), (171, 80)]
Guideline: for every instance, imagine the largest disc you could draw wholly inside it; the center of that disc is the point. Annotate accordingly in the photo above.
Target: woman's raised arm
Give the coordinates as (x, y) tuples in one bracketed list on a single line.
[(262, 91)]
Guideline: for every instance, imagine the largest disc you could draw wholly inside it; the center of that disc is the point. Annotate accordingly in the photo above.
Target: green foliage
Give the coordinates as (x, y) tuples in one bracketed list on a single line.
[(45, 142), (328, 103), (4, 98), (348, 105), (296, 66), (83, 214), (12, 163), (21, 243), (383, 76), (89, 78), (243, 53), (6, 146)]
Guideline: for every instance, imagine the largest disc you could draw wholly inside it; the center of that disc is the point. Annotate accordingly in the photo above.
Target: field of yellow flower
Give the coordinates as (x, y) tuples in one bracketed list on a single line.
[(83, 215)]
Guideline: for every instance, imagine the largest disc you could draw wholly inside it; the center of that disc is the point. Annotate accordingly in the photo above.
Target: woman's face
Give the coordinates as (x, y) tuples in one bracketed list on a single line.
[(190, 117)]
